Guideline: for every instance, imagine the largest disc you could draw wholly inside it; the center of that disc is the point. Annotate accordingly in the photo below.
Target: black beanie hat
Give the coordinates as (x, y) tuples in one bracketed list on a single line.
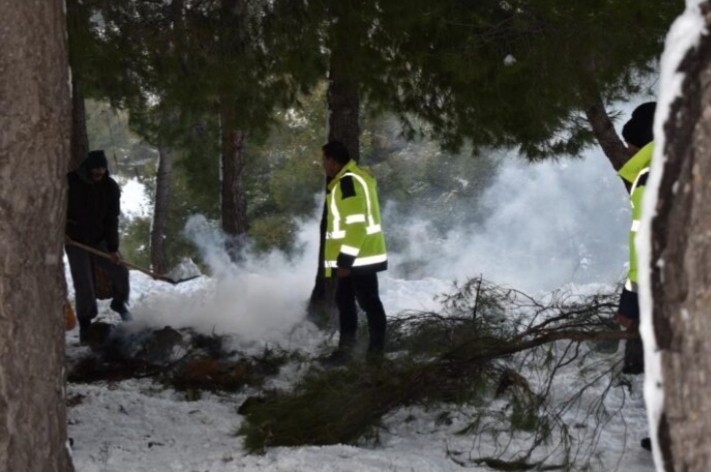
[(638, 131), (96, 159)]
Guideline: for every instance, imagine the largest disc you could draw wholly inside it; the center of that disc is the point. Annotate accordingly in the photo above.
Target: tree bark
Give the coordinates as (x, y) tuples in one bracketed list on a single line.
[(35, 128), (681, 285), (161, 211), (343, 104), (343, 125), (80, 138), (604, 131), (234, 197)]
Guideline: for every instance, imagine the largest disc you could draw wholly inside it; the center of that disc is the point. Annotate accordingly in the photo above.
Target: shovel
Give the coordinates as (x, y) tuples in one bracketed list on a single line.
[(161, 277)]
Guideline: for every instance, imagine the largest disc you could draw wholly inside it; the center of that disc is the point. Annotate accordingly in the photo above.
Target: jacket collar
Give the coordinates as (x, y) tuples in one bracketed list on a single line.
[(350, 166), (636, 163)]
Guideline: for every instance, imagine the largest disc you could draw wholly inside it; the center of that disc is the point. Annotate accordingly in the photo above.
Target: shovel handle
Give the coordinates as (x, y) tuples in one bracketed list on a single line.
[(106, 255)]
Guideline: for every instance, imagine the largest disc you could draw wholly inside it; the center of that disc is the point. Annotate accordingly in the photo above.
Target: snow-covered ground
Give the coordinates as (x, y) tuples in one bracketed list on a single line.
[(564, 224)]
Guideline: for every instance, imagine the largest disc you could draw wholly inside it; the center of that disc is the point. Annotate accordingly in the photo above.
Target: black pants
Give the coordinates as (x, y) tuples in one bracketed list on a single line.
[(364, 289), (82, 266), (634, 351)]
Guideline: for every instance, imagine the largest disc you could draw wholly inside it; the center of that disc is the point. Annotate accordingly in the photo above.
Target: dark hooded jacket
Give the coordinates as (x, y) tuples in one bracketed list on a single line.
[(93, 209)]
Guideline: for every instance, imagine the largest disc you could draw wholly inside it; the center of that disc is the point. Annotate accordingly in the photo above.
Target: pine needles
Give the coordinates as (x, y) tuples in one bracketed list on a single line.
[(472, 353)]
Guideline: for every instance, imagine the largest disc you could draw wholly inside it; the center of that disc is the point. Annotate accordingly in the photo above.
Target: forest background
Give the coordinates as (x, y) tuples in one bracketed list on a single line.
[(220, 107), (208, 83)]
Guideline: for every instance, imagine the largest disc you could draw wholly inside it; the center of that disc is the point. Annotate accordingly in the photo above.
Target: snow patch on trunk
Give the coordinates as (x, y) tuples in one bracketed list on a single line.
[(683, 35)]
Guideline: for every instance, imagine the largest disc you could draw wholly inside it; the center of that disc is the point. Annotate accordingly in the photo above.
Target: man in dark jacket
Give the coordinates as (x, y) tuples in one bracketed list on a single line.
[(93, 210)]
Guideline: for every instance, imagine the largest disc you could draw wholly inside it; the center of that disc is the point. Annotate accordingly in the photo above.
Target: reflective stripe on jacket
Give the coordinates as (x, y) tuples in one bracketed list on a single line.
[(354, 237), (635, 171)]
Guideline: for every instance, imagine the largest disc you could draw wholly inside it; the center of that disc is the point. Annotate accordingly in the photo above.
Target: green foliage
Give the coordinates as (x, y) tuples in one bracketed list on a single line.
[(272, 232), (285, 170), (108, 129), (447, 360), (510, 74), (496, 74), (134, 238), (431, 183), (325, 409)]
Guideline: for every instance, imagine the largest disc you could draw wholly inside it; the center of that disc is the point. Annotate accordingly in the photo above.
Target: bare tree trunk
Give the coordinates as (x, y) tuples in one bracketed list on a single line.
[(343, 104), (80, 138), (76, 20), (605, 133), (161, 211), (344, 126), (681, 286), (234, 197), (35, 129)]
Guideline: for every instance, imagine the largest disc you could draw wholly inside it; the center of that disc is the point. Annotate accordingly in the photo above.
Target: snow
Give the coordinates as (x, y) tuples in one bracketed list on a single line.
[(134, 200), (137, 425), (683, 35)]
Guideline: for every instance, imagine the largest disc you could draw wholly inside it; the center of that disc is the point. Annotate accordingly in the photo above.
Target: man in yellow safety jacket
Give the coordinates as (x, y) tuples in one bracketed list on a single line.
[(354, 250), (638, 135)]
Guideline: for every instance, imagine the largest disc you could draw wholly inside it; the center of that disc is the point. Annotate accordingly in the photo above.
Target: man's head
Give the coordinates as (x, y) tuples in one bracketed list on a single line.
[(335, 156), (96, 165), (638, 131)]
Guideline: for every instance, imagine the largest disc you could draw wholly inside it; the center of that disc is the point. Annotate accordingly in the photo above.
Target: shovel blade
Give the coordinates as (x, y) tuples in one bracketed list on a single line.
[(179, 281)]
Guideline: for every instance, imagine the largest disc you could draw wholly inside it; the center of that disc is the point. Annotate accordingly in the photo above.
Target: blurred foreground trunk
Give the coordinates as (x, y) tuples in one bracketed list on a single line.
[(35, 129), (681, 285)]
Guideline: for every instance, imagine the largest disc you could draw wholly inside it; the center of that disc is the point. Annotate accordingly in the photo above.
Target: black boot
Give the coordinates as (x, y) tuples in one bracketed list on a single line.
[(646, 443), (337, 358), (121, 309)]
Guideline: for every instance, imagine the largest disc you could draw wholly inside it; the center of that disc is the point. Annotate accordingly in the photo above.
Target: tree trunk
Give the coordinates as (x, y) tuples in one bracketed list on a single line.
[(35, 129), (80, 138), (159, 259), (343, 104), (234, 197), (681, 286), (605, 133), (343, 125)]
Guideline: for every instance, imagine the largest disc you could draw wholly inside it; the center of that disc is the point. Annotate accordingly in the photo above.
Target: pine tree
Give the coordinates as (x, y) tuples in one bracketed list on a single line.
[(34, 148)]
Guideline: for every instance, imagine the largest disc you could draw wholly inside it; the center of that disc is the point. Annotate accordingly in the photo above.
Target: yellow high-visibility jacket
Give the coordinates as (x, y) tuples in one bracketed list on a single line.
[(354, 237), (635, 171)]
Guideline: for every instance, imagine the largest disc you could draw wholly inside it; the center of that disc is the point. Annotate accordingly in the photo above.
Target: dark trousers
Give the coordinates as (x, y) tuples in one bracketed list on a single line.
[(634, 352), (364, 289), (82, 266)]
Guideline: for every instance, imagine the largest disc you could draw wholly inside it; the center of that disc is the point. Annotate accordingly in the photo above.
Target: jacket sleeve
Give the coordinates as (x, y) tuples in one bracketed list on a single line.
[(111, 221), (352, 206)]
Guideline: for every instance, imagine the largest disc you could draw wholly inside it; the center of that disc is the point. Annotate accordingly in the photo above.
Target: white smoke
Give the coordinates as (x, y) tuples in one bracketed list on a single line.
[(549, 224), (260, 298)]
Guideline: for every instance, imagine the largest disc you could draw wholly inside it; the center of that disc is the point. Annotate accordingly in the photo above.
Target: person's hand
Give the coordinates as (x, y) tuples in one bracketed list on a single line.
[(115, 257), (628, 323), (342, 272)]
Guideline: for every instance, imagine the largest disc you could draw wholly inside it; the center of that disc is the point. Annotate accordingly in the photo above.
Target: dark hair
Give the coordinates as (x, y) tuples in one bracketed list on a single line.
[(337, 151), (639, 131)]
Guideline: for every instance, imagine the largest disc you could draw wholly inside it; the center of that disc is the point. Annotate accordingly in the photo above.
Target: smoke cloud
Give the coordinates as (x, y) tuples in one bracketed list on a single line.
[(548, 224)]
